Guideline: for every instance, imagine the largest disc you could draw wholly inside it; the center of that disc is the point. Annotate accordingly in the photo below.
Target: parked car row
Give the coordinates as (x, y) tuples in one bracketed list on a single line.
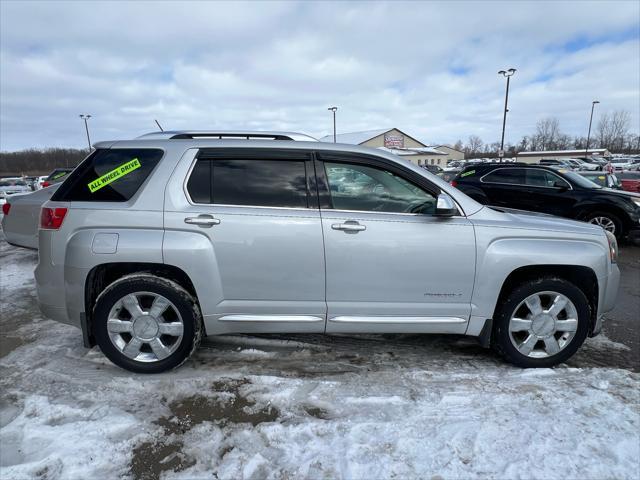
[(36, 183)]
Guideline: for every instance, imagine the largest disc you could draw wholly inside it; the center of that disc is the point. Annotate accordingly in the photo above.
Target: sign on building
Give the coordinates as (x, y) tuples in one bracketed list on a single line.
[(393, 140)]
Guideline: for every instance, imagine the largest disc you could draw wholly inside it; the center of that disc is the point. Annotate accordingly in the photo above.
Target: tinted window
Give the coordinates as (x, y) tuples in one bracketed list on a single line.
[(542, 178), (109, 175), (266, 183), (359, 187), (199, 184), (514, 176)]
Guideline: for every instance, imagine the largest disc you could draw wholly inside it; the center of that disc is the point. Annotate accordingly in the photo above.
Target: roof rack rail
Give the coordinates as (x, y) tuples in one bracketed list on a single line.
[(227, 135)]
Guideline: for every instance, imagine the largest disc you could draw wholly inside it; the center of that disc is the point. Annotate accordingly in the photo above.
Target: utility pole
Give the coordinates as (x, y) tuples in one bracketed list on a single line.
[(86, 117), (333, 109), (586, 150), (508, 75)]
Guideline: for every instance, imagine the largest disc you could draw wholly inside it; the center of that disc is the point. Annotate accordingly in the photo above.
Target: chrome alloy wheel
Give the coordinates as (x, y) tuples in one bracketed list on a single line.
[(145, 326), (605, 223), (543, 324)]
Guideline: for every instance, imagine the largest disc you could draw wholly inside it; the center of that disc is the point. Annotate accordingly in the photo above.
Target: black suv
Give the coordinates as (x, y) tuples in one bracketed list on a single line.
[(557, 192)]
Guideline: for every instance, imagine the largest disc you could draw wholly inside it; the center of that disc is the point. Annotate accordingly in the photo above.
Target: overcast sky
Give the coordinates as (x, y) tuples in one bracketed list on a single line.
[(428, 68)]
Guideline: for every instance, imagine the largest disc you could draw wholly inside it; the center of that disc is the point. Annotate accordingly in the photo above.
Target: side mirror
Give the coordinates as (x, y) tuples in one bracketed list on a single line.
[(445, 206)]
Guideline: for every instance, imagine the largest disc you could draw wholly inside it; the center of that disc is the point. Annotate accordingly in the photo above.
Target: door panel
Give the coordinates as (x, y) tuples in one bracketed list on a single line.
[(409, 274), (389, 270), (264, 265), (269, 266)]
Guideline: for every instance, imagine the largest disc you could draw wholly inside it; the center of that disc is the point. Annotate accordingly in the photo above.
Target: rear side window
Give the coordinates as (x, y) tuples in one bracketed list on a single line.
[(255, 182), (512, 176), (109, 175)]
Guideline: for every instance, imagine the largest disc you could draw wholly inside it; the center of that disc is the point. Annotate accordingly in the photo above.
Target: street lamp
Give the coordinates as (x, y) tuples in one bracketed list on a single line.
[(333, 109), (593, 105), (508, 75), (86, 117)]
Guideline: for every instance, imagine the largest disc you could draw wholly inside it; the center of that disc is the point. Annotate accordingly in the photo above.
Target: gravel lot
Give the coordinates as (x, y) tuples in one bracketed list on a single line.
[(292, 406)]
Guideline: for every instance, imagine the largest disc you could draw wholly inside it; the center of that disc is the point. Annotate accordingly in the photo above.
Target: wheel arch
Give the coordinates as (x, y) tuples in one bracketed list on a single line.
[(583, 212), (581, 276), (102, 275)]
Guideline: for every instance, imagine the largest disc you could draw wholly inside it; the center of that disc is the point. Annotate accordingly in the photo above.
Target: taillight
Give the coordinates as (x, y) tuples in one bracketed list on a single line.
[(5, 208), (52, 218), (45, 184), (454, 183)]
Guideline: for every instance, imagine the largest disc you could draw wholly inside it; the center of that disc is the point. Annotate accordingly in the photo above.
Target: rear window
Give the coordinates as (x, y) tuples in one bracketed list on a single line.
[(511, 176), (253, 182), (58, 175), (109, 175)]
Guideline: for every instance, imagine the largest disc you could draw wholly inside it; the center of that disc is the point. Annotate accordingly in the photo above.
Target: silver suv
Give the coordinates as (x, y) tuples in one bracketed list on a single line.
[(152, 243)]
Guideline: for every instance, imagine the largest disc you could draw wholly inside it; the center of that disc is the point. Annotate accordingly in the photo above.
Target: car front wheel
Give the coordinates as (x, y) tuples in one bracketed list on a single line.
[(541, 323), (608, 221), (147, 324)]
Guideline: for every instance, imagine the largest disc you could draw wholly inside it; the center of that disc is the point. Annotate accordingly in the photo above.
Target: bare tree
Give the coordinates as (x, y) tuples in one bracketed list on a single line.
[(458, 146), (547, 133), (474, 145)]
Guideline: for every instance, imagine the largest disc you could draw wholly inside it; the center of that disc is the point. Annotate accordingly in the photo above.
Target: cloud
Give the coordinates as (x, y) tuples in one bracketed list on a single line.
[(428, 68)]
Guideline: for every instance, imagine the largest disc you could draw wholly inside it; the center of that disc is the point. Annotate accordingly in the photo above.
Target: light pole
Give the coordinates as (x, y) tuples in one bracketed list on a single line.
[(86, 117), (593, 105), (333, 109), (508, 75)]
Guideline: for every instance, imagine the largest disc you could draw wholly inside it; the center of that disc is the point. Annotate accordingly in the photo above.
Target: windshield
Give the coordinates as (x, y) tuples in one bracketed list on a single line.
[(580, 180), (12, 183)]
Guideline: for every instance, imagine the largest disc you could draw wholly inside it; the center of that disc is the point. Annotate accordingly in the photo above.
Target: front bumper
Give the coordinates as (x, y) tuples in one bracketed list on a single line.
[(608, 295), (634, 235)]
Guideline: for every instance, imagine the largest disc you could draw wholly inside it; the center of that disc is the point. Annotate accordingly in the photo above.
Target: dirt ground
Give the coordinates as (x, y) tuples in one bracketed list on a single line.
[(314, 406)]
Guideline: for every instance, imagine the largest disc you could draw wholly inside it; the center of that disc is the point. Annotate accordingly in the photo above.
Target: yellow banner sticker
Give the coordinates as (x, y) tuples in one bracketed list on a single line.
[(113, 175)]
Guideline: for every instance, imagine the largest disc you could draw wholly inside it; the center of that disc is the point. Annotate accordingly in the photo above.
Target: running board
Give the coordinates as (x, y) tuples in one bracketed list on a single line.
[(397, 320), (270, 318)]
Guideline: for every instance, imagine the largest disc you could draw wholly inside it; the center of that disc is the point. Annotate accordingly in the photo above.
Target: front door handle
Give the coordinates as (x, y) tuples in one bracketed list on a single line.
[(350, 226), (204, 221)]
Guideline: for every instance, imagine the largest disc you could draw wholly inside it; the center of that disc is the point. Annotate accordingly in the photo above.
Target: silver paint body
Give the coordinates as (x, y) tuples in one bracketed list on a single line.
[(259, 269), (20, 227)]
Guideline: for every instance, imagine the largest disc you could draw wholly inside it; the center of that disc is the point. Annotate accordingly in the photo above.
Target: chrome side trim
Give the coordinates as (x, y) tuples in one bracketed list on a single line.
[(270, 318), (385, 319)]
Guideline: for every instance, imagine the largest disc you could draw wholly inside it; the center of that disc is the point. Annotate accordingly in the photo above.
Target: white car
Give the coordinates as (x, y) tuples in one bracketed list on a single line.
[(11, 186), (620, 164), (582, 165), (454, 165), (22, 217)]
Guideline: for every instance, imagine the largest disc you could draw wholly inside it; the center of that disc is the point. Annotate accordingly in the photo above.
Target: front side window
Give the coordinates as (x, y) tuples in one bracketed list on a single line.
[(251, 182), (542, 178), (109, 175), (364, 188), (509, 176)]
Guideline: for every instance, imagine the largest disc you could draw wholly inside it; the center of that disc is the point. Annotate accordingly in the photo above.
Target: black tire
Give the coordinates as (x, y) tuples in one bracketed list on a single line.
[(501, 341), (619, 227), (144, 282)]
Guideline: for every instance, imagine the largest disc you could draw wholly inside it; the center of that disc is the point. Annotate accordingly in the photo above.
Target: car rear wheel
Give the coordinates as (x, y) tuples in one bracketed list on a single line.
[(147, 324), (541, 323), (608, 221)]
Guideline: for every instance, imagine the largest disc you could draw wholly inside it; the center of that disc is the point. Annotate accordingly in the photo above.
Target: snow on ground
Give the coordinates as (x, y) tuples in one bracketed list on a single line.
[(295, 406)]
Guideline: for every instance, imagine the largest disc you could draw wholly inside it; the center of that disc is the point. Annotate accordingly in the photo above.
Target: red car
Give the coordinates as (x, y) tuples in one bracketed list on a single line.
[(630, 181)]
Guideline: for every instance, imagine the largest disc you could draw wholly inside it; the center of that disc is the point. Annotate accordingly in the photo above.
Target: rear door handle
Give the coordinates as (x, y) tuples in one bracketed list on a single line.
[(204, 221), (350, 226)]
